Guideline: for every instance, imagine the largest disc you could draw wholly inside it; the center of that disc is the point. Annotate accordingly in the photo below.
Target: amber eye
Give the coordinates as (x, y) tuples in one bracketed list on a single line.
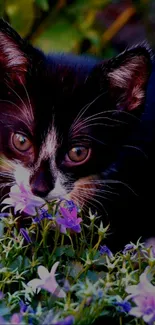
[(21, 142), (78, 154)]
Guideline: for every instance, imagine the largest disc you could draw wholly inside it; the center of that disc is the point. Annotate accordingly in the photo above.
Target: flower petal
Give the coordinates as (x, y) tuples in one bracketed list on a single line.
[(7, 201), (149, 318), (52, 286), (35, 283), (63, 229), (133, 289), (65, 213), (19, 207), (37, 201), (135, 311), (77, 228), (43, 272), (29, 209), (53, 269), (74, 213)]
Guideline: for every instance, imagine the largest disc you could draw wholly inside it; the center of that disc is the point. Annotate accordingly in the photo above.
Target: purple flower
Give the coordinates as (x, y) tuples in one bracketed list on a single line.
[(151, 243), (125, 306), (2, 321), (43, 215), (69, 219), (69, 320), (100, 293), (128, 247), (70, 205), (143, 295), (66, 286), (105, 250), (24, 233), (1, 295), (23, 307), (16, 319), (4, 215), (22, 199)]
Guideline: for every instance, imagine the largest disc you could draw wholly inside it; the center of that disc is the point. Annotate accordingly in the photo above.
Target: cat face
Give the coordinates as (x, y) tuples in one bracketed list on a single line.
[(63, 120)]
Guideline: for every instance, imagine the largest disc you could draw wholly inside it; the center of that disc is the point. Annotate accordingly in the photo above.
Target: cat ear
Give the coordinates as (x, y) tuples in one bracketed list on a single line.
[(127, 76), (13, 60)]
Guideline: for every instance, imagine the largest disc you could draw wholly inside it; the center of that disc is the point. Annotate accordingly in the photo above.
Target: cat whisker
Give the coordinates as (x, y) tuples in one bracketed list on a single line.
[(111, 181), (83, 199), (89, 137), (87, 197), (136, 148), (3, 197), (101, 190), (86, 107), (76, 201), (96, 124), (99, 203), (7, 184), (94, 194), (18, 96), (5, 163), (85, 121), (29, 101), (7, 179), (17, 118)]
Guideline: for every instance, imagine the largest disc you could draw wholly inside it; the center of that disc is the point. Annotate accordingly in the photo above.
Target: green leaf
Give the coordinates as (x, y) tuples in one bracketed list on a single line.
[(43, 4), (2, 8), (75, 268), (68, 251), (59, 251), (60, 36), (92, 276), (19, 262), (21, 15), (1, 229), (3, 310)]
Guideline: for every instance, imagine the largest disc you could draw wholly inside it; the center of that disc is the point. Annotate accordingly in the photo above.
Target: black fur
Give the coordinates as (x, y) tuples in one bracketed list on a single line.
[(121, 140)]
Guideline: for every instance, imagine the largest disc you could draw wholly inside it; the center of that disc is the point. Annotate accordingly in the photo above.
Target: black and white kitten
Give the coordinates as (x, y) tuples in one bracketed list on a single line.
[(68, 126)]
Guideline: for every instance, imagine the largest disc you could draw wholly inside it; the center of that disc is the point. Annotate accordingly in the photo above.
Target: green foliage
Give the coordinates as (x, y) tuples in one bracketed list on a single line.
[(21, 15), (69, 25), (94, 281)]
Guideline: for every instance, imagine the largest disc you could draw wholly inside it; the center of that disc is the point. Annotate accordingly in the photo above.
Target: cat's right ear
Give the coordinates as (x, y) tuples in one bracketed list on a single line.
[(13, 59), (125, 77)]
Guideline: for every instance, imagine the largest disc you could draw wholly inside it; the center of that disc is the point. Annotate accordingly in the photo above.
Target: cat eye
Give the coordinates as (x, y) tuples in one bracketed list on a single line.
[(79, 154), (21, 142)]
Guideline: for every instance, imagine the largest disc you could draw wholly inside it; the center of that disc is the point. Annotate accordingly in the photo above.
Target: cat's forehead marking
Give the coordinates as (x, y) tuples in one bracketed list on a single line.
[(50, 144)]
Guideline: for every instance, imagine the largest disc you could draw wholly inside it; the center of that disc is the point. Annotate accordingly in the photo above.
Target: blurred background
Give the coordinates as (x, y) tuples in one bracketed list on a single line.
[(91, 27)]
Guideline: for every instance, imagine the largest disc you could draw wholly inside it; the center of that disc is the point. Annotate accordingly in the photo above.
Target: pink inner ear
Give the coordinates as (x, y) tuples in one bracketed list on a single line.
[(130, 79), (13, 61)]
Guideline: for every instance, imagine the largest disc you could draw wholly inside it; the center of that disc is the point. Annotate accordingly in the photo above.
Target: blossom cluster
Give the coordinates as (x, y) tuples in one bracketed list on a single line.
[(51, 273)]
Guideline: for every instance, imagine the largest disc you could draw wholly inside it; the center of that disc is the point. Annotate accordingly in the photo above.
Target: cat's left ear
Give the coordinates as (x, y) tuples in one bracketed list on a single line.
[(126, 76), (13, 57)]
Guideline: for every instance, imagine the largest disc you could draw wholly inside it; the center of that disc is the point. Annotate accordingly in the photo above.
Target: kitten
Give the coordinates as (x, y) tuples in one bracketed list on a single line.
[(69, 128)]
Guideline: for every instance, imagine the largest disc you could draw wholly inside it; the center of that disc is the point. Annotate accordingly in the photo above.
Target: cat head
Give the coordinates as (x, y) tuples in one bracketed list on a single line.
[(63, 120)]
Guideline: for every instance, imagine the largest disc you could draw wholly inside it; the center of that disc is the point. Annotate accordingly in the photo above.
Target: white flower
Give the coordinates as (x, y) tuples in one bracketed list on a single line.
[(47, 281), (22, 199)]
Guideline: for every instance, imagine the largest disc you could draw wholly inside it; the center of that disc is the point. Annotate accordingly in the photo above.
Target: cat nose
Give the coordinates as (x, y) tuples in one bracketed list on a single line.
[(41, 191), (41, 184)]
